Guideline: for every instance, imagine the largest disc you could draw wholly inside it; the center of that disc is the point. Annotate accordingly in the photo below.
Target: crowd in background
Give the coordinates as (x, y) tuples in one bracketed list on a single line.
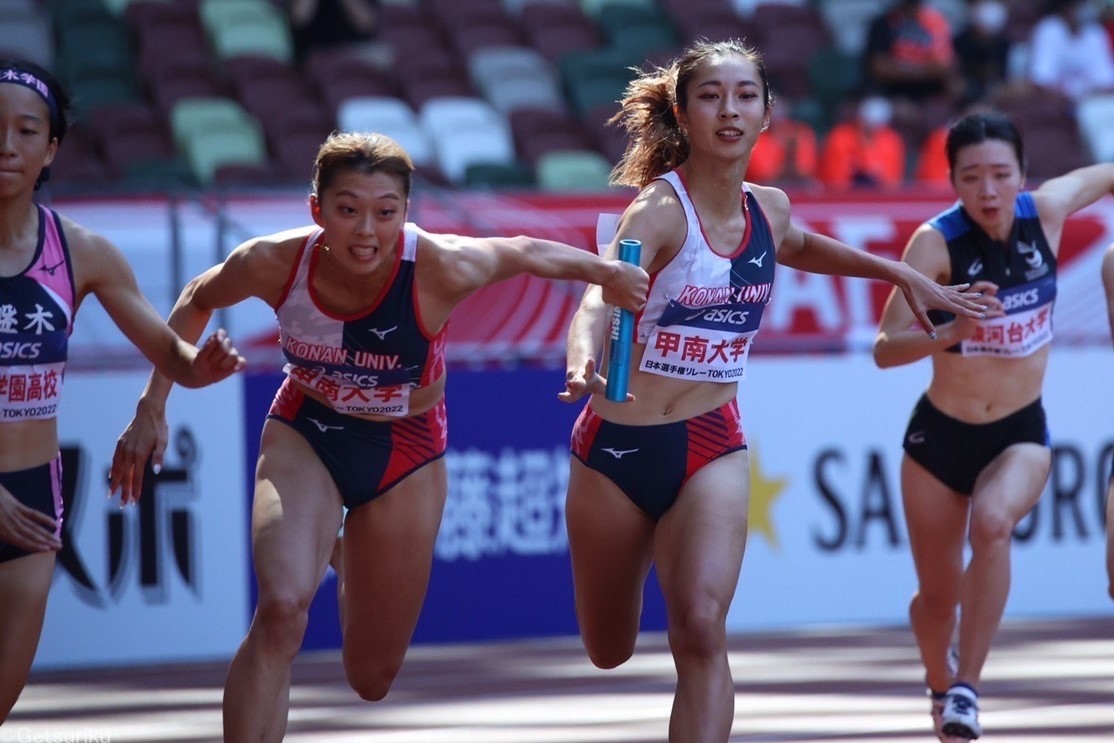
[(864, 90)]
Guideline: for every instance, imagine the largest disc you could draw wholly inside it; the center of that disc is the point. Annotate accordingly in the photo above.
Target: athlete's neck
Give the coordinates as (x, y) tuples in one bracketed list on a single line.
[(19, 226), (716, 187)]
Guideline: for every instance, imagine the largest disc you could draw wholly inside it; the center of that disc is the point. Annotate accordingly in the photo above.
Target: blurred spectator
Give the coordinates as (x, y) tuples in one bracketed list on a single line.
[(983, 49), (338, 24), (864, 151), (1070, 52), (932, 160), (1107, 18), (909, 53), (786, 152), (932, 168)]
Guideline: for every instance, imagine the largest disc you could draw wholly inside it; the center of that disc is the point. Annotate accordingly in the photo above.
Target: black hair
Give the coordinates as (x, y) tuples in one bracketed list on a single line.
[(60, 111), (977, 128)]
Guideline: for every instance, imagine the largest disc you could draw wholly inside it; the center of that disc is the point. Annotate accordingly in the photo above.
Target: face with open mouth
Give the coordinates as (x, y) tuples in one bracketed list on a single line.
[(362, 215)]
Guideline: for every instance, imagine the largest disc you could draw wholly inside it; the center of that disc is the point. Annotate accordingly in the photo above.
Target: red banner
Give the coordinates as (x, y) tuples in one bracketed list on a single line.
[(527, 318)]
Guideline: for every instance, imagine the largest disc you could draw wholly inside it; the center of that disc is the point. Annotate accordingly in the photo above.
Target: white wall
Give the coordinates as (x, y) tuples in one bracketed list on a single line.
[(196, 606), (825, 436)]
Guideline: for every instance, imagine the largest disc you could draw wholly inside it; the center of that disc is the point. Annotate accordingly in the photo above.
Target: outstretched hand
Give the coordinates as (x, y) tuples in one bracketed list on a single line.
[(145, 437), (25, 527), (217, 359), (924, 294), (586, 382), (965, 327), (628, 288)]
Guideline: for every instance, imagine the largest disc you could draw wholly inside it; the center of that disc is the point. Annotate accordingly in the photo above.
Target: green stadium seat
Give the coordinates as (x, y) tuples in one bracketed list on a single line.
[(208, 150), (573, 170), (263, 36), (509, 177), (192, 115)]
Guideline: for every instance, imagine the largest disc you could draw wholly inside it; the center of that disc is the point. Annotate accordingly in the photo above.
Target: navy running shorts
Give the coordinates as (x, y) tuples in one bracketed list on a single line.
[(39, 488), (956, 452), (365, 458), (650, 464)]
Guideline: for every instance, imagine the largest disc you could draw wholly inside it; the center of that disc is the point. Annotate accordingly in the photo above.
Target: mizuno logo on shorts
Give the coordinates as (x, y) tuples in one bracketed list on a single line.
[(322, 427)]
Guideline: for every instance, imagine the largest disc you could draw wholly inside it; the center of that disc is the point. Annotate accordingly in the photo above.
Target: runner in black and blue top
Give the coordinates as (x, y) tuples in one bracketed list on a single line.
[(977, 446)]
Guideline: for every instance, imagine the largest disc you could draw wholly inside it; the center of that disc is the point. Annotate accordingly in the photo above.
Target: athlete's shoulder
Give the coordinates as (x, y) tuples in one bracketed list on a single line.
[(770, 197), (265, 264), (292, 239), (658, 193), (774, 204), (276, 248), (94, 259), (950, 223), (655, 215), (78, 237)]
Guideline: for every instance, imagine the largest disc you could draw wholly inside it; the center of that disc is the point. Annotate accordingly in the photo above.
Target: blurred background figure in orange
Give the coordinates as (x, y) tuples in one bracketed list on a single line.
[(786, 153), (864, 150)]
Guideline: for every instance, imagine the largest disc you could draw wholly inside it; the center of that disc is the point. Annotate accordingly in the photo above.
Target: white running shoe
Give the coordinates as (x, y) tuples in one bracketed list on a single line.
[(961, 713), (938, 699)]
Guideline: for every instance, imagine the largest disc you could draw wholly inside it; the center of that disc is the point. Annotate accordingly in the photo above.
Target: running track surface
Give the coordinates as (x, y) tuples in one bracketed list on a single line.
[(1045, 681)]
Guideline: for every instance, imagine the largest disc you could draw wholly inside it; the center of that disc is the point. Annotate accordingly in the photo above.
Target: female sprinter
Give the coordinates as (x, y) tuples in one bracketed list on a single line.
[(977, 445), (48, 265), (363, 300), (663, 478)]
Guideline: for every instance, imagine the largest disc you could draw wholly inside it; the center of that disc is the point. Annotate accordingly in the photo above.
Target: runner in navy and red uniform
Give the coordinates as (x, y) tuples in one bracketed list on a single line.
[(364, 364), (48, 265), (363, 301), (663, 477), (977, 446)]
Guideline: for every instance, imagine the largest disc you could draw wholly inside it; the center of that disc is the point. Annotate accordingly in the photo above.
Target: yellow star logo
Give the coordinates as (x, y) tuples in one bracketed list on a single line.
[(763, 492)]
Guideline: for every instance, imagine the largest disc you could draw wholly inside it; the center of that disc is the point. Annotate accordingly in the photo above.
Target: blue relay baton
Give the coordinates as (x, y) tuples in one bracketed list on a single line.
[(622, 333)]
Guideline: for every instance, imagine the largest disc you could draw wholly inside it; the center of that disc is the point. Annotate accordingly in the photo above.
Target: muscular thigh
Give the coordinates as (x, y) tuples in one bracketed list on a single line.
[(700, 542), (398, 529), (1012, 483), (24, 586), (936, 520), (296, 514), (610, 538), (25, 582), (388, 554)]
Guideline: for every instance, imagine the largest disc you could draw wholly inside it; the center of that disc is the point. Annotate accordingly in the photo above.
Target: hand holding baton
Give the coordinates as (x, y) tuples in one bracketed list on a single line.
[(622, 333)]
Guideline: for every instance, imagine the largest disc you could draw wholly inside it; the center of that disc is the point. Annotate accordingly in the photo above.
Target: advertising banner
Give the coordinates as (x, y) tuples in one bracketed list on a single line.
[(827, 534), (166, 579)]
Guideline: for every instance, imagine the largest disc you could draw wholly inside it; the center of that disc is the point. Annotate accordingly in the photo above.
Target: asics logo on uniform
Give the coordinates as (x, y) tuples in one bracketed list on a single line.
[(381, 334), (323, 428), (975, 268), (618, 453), (758, 261), (917, 437)]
